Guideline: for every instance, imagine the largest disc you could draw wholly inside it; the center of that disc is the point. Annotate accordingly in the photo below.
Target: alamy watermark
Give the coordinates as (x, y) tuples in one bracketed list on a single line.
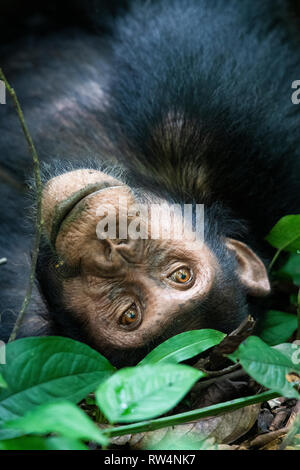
[(296, 95), (2, 92), (151, 221)]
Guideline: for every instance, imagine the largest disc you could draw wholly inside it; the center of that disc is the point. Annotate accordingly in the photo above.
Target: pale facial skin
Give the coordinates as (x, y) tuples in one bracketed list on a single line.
[(130, 291)]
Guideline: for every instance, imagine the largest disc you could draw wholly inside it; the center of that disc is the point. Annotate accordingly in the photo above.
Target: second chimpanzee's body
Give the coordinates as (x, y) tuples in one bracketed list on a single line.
[(193, 98)]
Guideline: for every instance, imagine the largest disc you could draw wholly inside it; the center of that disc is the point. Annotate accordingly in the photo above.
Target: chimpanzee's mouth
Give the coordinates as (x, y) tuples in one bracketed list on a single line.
[(64, 208)]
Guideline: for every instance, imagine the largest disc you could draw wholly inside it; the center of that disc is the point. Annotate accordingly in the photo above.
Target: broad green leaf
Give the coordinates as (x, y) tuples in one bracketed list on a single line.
[(277, 327), (3, 384), (267, 366), (42, 370), (138, 393), (291, 269), (285, 235), (65, 443), (186, 442), (62, 418), (183, 346), (24, 443), (41, 443)]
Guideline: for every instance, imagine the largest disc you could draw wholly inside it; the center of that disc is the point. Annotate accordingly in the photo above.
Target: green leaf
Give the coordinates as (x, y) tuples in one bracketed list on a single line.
[(267, 365), (43, 370), (184, 346), (277, 327), (292, 440), (24, 443), (291, 269), (62, 418), (3, 384), (137, 393), (64, 443), (285, 235), (41, 443)]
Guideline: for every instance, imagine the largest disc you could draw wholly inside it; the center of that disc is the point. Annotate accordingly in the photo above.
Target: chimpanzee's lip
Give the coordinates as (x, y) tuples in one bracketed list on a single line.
[(64, 208)]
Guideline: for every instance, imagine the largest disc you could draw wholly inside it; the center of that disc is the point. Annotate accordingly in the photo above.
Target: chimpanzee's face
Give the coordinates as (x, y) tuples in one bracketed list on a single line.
[(128, 291)]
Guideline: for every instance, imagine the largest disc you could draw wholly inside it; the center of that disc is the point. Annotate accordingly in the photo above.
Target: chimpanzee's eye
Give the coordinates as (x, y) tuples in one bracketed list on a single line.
[(181, 276), (130, 317)]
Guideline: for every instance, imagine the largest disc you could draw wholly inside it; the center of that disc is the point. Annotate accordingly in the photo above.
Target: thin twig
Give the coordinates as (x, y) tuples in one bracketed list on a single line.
[(38, 222), (228, 373), (278, 252)]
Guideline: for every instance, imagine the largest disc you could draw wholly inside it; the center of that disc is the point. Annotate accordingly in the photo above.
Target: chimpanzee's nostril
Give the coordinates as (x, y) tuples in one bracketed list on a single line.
[(108, 253)]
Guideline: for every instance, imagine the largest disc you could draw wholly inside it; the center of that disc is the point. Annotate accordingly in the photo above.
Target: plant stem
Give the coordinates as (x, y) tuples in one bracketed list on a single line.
[(188, 416), (38, 222)]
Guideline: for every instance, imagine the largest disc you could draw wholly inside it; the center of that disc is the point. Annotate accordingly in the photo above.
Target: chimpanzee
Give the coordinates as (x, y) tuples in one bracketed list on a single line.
[(177, 102)]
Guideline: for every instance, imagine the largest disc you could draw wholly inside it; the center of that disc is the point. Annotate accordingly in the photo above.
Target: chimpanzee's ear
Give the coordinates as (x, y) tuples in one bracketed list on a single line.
[(251, 270)]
